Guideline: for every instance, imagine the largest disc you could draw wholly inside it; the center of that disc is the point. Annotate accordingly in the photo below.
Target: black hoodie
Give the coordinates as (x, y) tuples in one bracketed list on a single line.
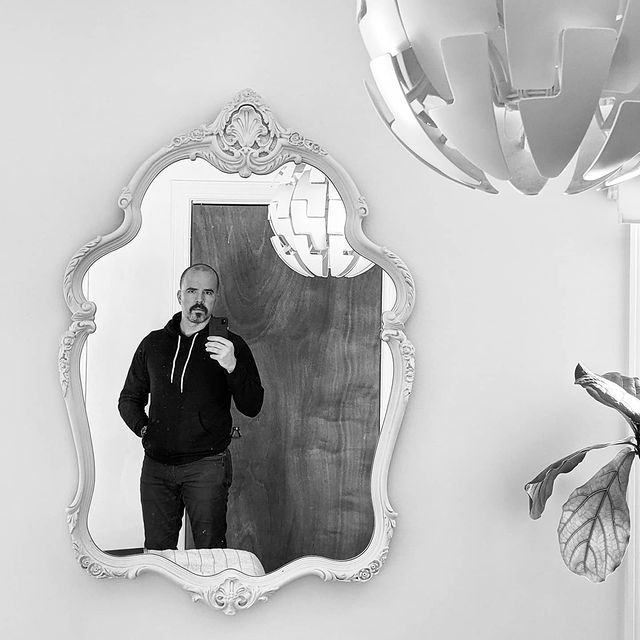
[(189, 413)]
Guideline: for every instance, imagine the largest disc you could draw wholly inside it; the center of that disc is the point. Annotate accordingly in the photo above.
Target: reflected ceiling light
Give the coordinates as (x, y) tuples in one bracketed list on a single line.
[(308, 218), (513, 89)]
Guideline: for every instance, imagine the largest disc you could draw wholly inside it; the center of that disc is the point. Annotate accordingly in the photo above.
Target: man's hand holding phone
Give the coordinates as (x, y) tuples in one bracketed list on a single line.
[(219, 347), (221, 350)]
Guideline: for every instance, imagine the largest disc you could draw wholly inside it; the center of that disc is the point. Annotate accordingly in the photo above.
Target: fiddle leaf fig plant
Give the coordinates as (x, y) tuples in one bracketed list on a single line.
[(595, 526)]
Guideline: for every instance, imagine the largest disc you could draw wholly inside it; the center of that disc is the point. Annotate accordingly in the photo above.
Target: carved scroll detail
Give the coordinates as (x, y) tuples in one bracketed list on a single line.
[(72, 519), (406, 274), (246, 138), (83, 313), (407, 351), (85, 558), (97, 570), (245, 165), (66, 345), (125, 198), (299, 140), (230, 596), (373, 568), (71, 267), (366, 573), (195, 135), (363, 207)]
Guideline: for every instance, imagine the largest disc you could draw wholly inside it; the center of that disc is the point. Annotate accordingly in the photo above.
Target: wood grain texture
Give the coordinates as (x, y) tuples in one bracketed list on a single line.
[(302, 468)]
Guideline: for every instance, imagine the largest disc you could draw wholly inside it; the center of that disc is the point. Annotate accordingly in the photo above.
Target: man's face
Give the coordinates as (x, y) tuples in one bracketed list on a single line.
[(197, 296)]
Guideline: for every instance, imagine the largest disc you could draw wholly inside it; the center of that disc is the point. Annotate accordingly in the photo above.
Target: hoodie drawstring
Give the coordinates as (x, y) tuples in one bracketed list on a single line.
[(187, 362), (184, 369), (173, 366)]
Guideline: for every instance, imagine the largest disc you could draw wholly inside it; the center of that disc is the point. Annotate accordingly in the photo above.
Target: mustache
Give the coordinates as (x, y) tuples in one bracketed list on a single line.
[(198, 306)]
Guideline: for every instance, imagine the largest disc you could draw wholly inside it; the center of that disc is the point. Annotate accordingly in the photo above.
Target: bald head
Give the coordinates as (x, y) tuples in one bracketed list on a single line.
[(202, 268)]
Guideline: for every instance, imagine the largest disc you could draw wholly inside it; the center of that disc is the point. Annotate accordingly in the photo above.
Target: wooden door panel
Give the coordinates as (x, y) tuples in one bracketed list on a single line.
[(302, 468)]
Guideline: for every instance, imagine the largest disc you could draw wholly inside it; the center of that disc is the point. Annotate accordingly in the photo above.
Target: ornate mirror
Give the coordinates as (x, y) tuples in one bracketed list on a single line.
[(322, 309)]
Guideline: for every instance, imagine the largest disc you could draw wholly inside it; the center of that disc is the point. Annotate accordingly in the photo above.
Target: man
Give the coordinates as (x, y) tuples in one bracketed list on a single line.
[(191, 378)]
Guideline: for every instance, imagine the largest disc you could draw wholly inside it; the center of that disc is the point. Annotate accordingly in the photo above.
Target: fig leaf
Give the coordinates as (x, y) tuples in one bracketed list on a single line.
[(541, 487), (613, 390), (595, 526)]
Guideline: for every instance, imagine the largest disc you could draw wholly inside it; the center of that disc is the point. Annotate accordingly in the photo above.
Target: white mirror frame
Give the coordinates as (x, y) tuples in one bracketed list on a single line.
[(245, 138)]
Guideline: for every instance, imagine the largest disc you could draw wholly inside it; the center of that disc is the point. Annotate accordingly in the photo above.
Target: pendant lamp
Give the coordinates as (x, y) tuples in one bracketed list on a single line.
[(483, 91), (307, 217)]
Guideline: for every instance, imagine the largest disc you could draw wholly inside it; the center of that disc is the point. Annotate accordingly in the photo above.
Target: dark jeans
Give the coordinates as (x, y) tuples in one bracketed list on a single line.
[(202, 487)]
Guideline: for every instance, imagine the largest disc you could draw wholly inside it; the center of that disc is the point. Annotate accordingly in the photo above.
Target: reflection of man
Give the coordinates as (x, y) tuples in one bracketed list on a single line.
[(191, 379)]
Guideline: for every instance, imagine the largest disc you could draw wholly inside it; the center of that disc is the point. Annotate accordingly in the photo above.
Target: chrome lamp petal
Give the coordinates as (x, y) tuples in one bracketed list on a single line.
[(510, 90)]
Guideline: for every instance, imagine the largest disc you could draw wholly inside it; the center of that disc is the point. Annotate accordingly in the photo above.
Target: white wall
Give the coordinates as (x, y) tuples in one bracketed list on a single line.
[(512, 292)]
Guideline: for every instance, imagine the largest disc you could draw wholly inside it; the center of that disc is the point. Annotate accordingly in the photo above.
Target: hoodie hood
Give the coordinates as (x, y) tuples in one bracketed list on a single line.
[(173, 326)]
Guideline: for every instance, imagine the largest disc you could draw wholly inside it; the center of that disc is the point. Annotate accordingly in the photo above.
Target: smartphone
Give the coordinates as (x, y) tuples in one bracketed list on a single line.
[(218, 326)]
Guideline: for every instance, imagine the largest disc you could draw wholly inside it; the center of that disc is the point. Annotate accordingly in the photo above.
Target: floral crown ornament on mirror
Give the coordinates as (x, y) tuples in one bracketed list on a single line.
[(244, 139), (247, 137)]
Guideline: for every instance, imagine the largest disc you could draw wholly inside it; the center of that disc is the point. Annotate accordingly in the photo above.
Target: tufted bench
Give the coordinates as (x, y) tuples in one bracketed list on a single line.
[(207, 562)]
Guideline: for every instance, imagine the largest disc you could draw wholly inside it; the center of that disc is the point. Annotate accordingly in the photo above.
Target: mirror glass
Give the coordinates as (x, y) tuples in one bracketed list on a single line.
[(309, 308)]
